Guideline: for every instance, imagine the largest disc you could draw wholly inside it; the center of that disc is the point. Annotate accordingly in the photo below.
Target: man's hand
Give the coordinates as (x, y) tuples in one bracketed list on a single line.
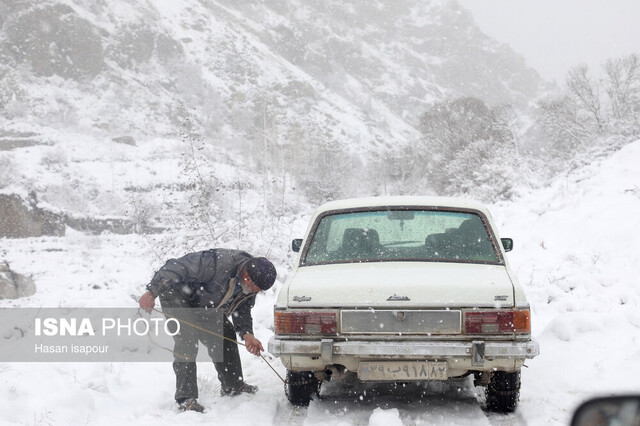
[(253, 345), (147, 302)]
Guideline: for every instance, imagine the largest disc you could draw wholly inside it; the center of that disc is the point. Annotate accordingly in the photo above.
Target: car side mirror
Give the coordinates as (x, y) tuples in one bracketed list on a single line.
[(610, 410), (507, 244), (296, 244)]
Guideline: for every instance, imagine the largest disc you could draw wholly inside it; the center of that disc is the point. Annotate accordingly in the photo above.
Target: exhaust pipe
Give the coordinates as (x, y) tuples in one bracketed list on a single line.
[(333, 371)]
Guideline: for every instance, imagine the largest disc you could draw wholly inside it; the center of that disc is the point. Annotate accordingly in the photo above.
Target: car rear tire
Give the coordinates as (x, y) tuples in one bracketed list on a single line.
[(503, 391), (300, 386)]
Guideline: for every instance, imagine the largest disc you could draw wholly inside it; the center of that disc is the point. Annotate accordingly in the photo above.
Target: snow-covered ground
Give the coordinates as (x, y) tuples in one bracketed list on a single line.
[(577, 253)]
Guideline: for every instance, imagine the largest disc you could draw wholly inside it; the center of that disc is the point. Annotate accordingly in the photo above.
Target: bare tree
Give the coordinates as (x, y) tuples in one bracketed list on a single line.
[(594, 115), (562, 124), (586, 93), (506, 121), (622, 84)]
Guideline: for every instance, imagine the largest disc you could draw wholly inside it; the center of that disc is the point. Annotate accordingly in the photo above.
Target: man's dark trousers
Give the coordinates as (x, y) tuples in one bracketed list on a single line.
[(186, 348)]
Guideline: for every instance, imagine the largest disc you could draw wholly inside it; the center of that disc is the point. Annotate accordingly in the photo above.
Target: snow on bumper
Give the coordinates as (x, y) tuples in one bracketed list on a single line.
[(478, 351)]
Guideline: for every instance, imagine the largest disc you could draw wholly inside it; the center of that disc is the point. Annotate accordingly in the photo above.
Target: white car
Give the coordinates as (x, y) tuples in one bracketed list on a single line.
[(399, 289)]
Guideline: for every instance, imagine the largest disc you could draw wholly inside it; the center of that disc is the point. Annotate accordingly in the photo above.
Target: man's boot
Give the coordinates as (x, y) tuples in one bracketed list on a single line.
[(237, 390), (190, 404)]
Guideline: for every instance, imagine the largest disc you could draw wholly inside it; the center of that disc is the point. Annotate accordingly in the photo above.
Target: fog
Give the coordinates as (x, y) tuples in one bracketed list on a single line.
[(556, 35)]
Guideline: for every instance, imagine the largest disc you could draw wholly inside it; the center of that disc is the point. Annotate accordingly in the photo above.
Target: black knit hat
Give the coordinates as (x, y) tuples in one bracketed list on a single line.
[(262, 272)]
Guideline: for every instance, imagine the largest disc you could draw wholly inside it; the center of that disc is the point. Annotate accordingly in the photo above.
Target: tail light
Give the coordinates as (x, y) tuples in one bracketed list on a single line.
[(497, 322), (306, 322)]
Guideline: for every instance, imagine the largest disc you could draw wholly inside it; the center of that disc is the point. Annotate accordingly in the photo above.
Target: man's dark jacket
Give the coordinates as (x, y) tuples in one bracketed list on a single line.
[(203, 278)]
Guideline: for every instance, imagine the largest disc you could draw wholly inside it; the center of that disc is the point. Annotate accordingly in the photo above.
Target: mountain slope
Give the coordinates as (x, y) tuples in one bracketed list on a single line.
[(361, 71)]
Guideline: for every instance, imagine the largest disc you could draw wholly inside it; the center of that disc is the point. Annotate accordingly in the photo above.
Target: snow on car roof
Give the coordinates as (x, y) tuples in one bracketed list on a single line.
[(385, 201)]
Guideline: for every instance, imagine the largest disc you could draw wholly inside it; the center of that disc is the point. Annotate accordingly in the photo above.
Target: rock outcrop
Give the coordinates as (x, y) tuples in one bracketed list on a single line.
[(14, 285), (20, 219)]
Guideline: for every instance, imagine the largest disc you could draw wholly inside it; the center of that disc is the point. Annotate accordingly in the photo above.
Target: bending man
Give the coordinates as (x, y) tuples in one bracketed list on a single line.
[(217, 278)]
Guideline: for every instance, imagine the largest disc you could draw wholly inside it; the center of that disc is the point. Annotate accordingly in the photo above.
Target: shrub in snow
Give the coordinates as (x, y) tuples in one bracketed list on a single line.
[(55, 157), (592, 112), (484, 170), (10, 91), (8, 171)]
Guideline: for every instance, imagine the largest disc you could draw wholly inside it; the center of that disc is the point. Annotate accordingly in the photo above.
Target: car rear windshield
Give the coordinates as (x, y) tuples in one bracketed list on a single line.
[(399, 235)]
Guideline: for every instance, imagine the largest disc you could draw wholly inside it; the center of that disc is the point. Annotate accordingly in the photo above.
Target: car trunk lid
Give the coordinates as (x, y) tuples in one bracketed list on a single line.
[(396, 285)]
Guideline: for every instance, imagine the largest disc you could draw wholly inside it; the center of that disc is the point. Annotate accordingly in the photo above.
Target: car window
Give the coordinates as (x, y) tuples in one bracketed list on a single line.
[(384, 235)]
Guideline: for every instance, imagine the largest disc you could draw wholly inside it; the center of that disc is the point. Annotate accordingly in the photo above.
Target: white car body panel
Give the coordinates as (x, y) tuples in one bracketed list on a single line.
[(424, 284)]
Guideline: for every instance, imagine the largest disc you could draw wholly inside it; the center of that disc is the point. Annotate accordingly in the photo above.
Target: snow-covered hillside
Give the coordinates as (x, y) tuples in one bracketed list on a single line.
[(294, 89), (576, 252), (359, 69)]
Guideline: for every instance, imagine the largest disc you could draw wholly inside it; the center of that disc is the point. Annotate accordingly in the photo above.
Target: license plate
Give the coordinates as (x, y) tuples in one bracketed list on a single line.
[(402, 370)]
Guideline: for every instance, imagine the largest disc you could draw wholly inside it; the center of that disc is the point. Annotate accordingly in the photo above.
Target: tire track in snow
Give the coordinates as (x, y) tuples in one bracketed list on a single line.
[(287, 414)]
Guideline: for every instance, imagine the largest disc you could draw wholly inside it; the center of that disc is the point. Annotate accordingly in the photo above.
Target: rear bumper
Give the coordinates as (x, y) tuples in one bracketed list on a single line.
[(476, 351)]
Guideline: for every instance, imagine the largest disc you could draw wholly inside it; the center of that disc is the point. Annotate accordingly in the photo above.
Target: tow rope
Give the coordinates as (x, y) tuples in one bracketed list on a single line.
[(206, 331)]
